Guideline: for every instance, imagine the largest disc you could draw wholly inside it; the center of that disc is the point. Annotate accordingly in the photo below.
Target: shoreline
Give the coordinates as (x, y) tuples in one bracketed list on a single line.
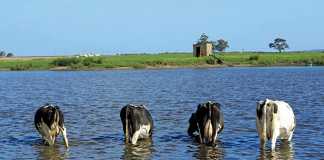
[(58, 69), (160, 61)]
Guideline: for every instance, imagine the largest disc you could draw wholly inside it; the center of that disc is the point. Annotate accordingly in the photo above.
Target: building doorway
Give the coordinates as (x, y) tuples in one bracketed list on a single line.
[(197, 51)]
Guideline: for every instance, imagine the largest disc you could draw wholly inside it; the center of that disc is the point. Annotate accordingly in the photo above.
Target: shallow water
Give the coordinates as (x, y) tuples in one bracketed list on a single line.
[(91, 102)]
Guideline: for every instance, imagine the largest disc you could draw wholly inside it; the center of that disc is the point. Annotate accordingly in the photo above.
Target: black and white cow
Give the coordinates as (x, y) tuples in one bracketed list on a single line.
[(206, 123), (137, 123), (275, 119), (49, 122)]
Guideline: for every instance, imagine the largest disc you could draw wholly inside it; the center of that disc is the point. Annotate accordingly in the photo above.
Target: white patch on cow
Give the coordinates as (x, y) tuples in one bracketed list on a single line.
[(143, 132), (276, 125)]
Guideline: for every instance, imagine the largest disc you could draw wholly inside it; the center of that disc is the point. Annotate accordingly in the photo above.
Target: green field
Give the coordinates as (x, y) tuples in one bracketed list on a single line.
[(163, 60), (274, 59)]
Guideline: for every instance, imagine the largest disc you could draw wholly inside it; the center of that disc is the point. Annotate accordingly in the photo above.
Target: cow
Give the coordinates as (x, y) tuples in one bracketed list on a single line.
[(49, 122), (206, 123), (274, 119), (137, 123)]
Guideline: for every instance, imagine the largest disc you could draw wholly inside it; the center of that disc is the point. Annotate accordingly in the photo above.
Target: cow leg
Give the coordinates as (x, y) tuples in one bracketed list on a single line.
[(47, 134), (53, 140), (273, 143), (262, 143), (274, 139), (215, 138), (49, 139), (216, 133), (135, 137), (66, 141), (290, 136)]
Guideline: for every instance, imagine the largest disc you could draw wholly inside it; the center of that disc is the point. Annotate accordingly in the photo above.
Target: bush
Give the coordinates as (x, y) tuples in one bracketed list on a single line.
[(3, 53), (319, 61), (10, 55), (66, 61), (75, 62), (109, 66), (156, 63), (76, 66), (254, 58), (211, 61), (89, 61), (138, 66), (267, 62), (21, 67), (308, 61)]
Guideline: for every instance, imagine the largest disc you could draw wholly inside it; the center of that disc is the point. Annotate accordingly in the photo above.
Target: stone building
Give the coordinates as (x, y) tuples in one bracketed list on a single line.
[(202, 49)]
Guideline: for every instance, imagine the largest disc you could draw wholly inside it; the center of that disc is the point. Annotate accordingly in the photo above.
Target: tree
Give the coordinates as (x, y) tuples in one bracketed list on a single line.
[(10, 55), (220, 45), (203, 38), (2, 54), (279, 44)]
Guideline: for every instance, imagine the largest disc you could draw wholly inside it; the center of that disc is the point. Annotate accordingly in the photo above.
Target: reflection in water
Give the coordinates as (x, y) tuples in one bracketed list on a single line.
[(142, 150), (51, 152), (210, 152), (283, 151)]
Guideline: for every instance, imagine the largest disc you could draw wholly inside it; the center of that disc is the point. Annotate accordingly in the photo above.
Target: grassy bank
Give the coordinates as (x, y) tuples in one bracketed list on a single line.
[(163, 60)]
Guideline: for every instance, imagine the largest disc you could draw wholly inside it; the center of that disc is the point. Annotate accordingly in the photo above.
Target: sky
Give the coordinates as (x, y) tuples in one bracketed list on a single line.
[(67, 27)]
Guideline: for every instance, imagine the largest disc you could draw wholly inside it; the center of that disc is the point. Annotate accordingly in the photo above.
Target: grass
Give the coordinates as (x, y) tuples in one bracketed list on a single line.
[(269, 59), (157, 60), (31, 64), (163, 60)]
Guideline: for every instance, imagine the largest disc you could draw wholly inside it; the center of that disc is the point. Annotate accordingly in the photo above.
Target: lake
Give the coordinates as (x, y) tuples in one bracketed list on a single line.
[(91, 102)]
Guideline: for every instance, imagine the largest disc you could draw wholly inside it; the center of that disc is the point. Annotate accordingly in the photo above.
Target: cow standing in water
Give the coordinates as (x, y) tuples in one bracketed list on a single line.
[(137, 123), (274, 119), (207, 122), (49, 122)]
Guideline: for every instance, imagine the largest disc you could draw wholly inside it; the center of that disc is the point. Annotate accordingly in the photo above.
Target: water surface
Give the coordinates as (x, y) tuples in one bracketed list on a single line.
[(92, 100)]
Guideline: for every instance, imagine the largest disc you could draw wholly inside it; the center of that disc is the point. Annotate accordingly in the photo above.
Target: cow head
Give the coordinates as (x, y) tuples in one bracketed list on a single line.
[(207, 121), (266, 118)]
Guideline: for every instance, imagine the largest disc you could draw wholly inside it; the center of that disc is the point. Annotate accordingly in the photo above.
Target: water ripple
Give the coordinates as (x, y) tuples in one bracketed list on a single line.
[(91, 102)]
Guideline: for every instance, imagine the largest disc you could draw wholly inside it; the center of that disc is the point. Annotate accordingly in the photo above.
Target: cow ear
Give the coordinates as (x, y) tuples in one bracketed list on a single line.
[(275, 108)]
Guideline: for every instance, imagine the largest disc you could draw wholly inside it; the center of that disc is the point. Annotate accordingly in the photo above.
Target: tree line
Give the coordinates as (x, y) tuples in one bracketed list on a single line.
[(4, 54), (220, 45)]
